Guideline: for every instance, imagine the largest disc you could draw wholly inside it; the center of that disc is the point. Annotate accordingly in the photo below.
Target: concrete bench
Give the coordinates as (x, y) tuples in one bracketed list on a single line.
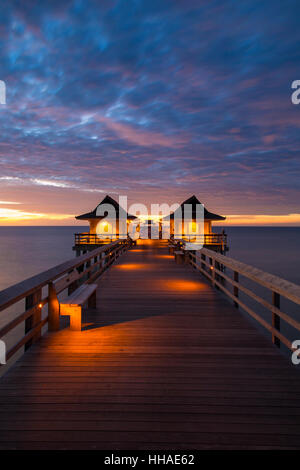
[(179, 257), (72, 306)]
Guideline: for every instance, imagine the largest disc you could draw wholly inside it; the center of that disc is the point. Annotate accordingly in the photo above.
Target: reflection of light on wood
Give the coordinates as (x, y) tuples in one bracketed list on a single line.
[(130, 266), (182, 285)]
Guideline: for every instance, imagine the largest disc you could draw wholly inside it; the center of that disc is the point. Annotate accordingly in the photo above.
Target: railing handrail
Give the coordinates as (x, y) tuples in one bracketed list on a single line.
[(207, 238), (87, 238), (214, 270), (214, 234), (16, 292), (283, 287), (67, 275)]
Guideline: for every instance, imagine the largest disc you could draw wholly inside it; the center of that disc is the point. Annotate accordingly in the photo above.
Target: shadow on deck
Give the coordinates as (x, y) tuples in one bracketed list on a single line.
[(163, 362)]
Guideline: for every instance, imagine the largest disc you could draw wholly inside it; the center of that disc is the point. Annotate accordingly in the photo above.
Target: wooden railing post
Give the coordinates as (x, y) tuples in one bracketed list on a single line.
[(53, 308), (88, 265), (235, 288), (203, 257), (34, 319), (103, 260), (275, 318), (212, 271), (187, 257)]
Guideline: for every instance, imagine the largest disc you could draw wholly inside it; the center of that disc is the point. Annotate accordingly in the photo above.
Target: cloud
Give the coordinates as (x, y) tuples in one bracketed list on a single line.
[(14, 215), (9, 202), (141, 137), (151, 99)]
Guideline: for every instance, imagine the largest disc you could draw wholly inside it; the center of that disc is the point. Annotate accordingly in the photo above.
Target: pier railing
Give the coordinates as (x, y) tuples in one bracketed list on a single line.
[(226, 273), (86, 238), (67, 276), (204, 239)]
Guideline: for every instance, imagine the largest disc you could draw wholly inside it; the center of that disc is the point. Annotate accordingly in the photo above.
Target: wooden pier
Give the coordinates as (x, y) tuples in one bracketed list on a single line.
[(164, 361)]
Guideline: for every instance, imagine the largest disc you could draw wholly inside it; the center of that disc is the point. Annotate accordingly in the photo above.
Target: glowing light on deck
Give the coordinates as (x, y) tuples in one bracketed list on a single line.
[(182, 285), (130, 266)]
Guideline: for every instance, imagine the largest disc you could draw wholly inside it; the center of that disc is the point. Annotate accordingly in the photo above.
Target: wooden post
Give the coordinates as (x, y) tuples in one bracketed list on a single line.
[(195, 260), (103, 260), (212, 270), (217, 277), (34, 319), (276, 318), (88, 265), (179, 257), (186, 257), (203, 266), (235, 288), (53, 308), (171, 249), (95, 262)]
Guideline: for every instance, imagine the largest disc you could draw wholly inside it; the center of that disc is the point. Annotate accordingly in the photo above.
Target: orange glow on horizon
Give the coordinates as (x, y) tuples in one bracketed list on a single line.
[(10, 216), (261, 219), (18, 213)]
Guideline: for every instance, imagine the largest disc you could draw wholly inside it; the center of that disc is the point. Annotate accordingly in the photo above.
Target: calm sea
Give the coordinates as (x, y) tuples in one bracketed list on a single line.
[(25, 251)]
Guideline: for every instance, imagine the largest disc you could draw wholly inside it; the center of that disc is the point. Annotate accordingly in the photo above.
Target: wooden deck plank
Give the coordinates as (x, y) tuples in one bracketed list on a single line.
[(163, 362)]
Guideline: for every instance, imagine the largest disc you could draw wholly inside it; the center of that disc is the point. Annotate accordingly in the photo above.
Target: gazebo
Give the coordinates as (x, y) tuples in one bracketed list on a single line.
[(105, 224), (191, 229)]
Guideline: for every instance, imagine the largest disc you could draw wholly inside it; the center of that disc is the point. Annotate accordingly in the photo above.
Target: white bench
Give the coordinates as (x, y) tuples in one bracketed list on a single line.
[(72, 306)]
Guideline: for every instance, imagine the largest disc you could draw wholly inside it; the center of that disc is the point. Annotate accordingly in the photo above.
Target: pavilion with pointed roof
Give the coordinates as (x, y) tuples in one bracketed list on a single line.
[(189, 227), (103, 229), (99, 219)]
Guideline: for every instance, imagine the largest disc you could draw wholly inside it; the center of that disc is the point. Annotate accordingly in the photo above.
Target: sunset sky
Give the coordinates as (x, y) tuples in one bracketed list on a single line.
[(153, 99)]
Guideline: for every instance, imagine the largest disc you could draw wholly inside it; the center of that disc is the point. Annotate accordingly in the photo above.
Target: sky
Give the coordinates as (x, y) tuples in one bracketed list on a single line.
[(155, 100)]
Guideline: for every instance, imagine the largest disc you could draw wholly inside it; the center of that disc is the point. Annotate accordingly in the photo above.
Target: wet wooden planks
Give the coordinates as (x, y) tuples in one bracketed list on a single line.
[(164, 362)]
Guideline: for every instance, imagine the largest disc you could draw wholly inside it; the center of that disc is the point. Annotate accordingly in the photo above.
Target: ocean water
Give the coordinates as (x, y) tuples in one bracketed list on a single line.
[(273, 249), (26, 251)]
